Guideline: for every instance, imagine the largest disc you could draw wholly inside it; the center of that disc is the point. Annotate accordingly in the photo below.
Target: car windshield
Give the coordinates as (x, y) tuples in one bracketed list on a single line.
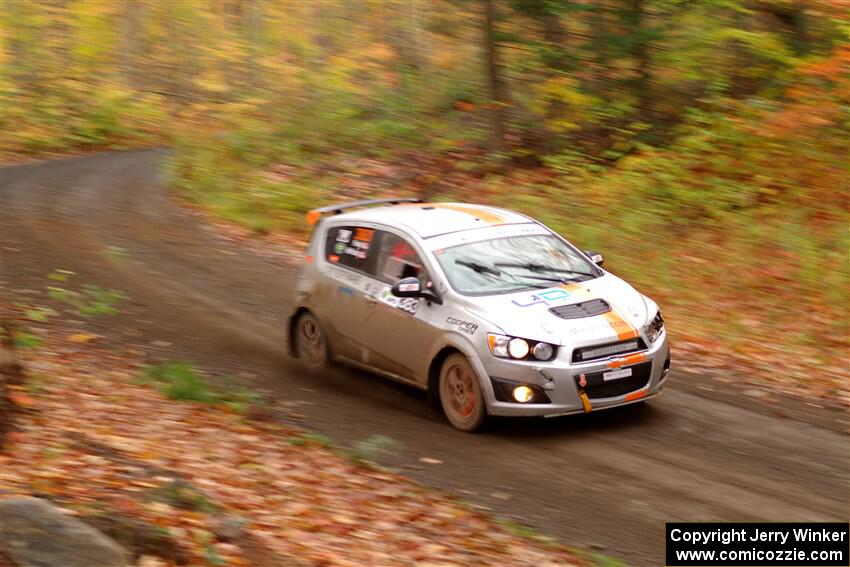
[(504, 265)]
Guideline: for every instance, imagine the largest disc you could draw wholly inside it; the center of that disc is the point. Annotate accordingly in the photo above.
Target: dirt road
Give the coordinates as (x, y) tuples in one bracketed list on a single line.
[(610, 480)]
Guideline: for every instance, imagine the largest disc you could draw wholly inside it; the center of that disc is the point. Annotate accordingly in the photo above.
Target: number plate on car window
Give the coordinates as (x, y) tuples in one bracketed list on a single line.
[(615, 374)]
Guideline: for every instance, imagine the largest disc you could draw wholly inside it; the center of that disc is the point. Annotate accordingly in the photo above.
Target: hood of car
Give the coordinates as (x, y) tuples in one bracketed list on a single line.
[(605, 309)]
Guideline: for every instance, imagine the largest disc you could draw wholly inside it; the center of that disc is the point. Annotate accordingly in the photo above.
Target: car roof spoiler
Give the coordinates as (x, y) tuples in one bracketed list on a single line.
[(314, 215)]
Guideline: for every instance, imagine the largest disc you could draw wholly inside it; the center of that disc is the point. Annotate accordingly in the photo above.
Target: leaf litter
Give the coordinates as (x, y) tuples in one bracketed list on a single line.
[(98, 441)]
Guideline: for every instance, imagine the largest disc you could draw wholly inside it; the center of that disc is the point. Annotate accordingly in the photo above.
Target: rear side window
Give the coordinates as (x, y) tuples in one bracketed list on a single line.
[(351, 246)]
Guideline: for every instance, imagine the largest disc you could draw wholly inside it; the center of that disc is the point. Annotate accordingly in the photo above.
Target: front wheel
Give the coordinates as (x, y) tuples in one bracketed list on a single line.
[(309, 342), (460, 394)]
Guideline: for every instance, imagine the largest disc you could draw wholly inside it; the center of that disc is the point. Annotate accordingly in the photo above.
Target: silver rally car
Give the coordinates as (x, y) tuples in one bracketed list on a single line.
[(486, 308)]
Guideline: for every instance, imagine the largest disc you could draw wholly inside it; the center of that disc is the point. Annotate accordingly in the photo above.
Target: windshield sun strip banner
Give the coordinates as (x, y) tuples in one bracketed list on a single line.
[(489, 232)]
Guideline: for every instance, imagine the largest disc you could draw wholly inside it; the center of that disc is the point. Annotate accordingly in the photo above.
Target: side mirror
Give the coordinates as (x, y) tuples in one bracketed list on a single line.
[(595, 257), (410, 287)]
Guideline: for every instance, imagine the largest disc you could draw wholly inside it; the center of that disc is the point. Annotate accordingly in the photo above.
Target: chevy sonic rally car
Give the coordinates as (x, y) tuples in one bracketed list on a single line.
[(487, 309)]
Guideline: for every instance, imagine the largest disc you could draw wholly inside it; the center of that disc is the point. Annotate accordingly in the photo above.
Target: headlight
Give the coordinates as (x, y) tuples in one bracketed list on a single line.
[(543, 351), (518, 348), (653, 330), (504, 346)]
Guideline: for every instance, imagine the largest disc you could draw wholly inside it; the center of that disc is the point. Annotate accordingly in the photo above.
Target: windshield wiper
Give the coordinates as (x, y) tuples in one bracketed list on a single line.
[(478, 267), (543, 268)]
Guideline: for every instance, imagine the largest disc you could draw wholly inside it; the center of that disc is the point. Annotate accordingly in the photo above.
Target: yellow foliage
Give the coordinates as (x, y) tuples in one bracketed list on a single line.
[(561, 101)]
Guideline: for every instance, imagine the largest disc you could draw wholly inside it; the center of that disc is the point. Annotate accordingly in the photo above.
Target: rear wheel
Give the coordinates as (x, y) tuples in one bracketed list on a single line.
[(460, 394), (310, 343)]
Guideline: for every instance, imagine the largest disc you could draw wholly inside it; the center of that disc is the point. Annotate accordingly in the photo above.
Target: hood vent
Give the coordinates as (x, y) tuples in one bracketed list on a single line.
[(580, 310)]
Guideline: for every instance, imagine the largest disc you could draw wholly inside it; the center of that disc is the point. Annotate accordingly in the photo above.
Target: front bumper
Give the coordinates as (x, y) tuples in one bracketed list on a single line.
[(558, 380)]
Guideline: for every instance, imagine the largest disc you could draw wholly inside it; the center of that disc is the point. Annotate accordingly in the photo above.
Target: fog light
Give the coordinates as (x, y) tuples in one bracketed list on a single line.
[(523, 394)]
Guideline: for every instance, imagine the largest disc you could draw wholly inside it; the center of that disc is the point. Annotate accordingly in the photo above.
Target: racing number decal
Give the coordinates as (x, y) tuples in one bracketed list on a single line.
[(408, 305)]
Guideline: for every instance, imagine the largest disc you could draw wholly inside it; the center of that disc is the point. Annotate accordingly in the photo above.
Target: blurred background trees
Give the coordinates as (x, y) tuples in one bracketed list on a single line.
[(702, 144), (538, 76)]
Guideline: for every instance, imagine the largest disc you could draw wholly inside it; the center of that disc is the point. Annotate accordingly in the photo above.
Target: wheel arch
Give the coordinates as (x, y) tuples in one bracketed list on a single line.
[(290, 337), (453, 344), (434, 371)]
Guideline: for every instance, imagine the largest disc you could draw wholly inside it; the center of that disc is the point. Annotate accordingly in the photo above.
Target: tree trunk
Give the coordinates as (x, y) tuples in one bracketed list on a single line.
[(11, 374), (792, 21), (556, 37), (640, 53), (495, 82)]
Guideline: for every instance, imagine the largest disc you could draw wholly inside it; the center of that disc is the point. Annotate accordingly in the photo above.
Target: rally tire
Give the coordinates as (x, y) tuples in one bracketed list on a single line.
[(310, 343), (460, 394)]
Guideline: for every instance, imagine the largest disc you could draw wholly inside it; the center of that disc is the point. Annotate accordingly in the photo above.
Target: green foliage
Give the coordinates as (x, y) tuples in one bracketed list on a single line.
[(235, 396), (90, 301), (213, 557), (520, 530), (181, 381), (311, 439), (116, 253), (178, 381), (180, 494), (602, 560), (226, 178), (374, 448), (39, 314), (24, 339), (60, 275)]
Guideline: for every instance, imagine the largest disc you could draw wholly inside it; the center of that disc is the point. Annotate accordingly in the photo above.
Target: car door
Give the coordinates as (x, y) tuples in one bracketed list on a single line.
[(344, 300), (398, 331)]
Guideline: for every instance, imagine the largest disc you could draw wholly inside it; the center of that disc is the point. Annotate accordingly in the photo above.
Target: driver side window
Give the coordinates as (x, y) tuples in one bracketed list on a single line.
[(397, 259)]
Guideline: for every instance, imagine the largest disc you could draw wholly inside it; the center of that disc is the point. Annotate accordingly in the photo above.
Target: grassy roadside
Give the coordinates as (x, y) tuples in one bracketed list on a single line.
[(185, 468), (749, 260)]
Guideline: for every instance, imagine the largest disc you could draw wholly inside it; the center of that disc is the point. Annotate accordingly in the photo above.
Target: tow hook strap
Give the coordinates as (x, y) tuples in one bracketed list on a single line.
[(585, 401)]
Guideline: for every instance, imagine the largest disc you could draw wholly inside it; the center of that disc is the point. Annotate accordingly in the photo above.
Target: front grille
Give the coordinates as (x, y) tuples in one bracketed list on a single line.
[(580, 310), (596, 352), (597, 388)]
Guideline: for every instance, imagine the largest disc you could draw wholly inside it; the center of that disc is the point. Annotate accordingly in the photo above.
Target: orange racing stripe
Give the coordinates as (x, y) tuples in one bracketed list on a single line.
[(486, 216), (636, 395), (623, 328)]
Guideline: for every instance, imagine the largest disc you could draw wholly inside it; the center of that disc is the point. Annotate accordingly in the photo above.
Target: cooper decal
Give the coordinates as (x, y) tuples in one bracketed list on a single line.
[(463, 326)]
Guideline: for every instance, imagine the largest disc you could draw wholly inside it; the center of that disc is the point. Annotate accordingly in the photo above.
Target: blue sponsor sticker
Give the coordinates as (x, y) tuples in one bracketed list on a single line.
[(545, 297)]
